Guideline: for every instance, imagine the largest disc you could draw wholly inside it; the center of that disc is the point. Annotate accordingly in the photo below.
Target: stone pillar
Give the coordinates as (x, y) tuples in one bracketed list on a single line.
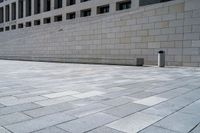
[(52, 4), (112, 7), (41, 6), (24, 8), (64, 3), (135, 4), (10, 12), (4, 14), (93, 11), (17, 9), (32, 7)]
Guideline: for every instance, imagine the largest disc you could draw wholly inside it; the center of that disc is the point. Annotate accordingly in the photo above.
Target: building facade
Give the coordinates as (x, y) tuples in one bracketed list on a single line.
[(101, 31)]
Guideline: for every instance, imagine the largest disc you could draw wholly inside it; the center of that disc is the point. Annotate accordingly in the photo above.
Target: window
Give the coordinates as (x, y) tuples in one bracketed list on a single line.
[(103, 9), (47, 20), (1, 29), (47, 5), (28, 8), (57, 18), (1, 15), (1, 1), (86, 12), (71, 2), (84, 0), (149, 2), (37, 22), (57, 4), (7, 28), (20, 25), (36, 6), (20, 9), (13, 27), (28, 24), (71, 15), (13, 7), (122, 5), (7, 13)]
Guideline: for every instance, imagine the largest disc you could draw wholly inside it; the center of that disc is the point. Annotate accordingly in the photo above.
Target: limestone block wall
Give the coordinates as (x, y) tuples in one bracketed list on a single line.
[(116, 38)]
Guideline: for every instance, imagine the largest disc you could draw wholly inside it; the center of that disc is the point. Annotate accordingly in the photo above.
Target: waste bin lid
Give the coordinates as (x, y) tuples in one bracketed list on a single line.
[(161, 52)]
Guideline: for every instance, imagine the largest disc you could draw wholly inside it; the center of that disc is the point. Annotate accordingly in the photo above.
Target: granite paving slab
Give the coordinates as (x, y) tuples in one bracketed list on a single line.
[(42, 97)]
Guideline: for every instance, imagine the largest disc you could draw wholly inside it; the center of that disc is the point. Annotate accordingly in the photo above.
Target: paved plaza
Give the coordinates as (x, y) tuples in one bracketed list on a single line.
[(40, 97)]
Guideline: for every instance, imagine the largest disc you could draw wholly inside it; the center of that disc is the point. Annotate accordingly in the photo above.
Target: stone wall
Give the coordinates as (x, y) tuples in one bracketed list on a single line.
[(114, 39)]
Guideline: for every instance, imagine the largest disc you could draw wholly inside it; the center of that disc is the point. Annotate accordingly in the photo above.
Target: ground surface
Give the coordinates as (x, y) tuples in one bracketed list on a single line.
[(74, 98)]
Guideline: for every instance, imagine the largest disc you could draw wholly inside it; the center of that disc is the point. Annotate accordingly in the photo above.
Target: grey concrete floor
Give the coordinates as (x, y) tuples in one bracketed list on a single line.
[(42, 97)]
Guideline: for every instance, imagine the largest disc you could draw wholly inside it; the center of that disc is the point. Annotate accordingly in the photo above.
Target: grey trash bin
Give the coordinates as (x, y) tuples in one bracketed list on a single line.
[(161, 58)]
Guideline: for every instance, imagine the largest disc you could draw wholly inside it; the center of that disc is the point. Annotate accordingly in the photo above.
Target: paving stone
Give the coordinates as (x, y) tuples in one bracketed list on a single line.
[(155, 129), (142, 94), (88, 109), (60, 94), (3, 130), (49, 109), (87, 123), (150, 101), (193, 108), (13, 118), (51, 130), (117, 101), (134, 122), (18, 108), (39, 123), (54, 101), (10, 101), (105, 130), (196, 129), (89, 94), (124, 110), (179, 122)]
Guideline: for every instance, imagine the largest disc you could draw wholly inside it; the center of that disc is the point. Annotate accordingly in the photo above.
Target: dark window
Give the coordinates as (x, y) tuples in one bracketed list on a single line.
[(103, 9), (71, 15), (28, 24), (20, 25), (84, 0), (47, 20), (20, 9), (149, 2), (36, 6), (13, 11), (57, 18), (37, 22), (86, 12), (1, 15), (28, 8), (1, 1), (47, 5), (122, 5), (13, 27), (57, 4), (71, 2), (7, 13), (1, 29), (7, 28)]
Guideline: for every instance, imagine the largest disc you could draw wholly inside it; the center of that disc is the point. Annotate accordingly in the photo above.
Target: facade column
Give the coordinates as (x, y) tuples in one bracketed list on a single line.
[(64, 3), (17, 9), (112, 7), (135, 4), (41, 6), (24, 8), (4, 13), (52, 4), (32, 7), (10, 12)]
